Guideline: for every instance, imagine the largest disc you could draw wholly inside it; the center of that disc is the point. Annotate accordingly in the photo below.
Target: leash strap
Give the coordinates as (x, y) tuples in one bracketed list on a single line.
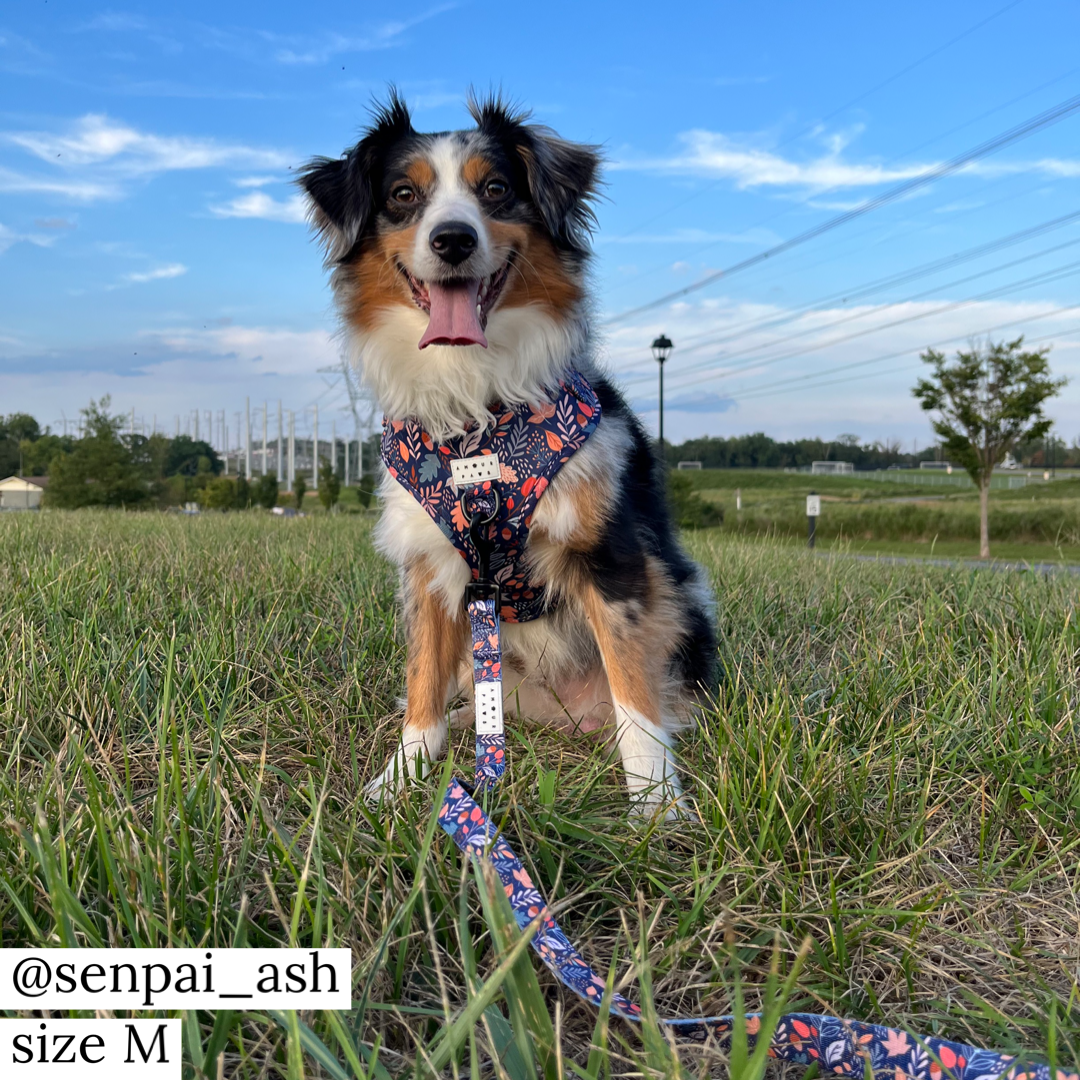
[(841, 1047), (487, 688), (480, 505)]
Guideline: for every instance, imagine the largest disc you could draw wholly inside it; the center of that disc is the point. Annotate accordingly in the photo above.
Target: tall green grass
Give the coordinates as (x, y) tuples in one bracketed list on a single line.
[(189, 708)]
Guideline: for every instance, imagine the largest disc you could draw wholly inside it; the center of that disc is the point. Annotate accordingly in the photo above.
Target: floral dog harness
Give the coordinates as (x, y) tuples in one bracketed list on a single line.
[(532, 442)]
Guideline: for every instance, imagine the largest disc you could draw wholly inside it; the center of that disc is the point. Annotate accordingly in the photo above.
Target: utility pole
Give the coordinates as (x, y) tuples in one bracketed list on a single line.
[(292, 451), (280, 463), (333, 447), (266, 423), (347, 448), (315, 454), (247, 438)]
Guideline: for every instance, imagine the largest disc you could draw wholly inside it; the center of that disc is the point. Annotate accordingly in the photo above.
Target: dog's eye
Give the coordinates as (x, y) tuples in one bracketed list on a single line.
[(403, 194), (495, 189)]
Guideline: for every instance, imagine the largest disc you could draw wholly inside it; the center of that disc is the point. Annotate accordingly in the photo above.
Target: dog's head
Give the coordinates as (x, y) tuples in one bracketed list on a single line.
[(458, 229)]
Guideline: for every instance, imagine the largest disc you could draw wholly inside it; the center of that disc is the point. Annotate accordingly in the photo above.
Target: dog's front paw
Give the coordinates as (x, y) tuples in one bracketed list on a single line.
[(664, 802), (411, 760)]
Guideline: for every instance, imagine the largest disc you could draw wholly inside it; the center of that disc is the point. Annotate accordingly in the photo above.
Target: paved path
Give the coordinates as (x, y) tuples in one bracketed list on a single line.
[(962, 564)]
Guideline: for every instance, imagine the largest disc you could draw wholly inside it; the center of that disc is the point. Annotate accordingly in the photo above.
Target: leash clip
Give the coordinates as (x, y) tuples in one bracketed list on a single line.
[(483, 544)]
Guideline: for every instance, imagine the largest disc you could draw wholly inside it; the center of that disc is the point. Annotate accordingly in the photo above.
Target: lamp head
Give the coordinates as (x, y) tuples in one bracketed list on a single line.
[(661, 348)]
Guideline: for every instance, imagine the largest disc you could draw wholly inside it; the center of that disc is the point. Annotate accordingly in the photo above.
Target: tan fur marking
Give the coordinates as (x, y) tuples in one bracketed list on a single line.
[(539, 276), (373, 281), (436, 642), (628, 645), (475, 170), (421, 174)]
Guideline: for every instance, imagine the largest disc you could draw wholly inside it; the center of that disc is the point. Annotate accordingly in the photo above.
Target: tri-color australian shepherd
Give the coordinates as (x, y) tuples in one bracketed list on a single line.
[(459, 266)]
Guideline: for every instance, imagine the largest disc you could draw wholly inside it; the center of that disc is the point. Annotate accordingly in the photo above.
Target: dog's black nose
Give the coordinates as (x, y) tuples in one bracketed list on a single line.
[(453, 241)]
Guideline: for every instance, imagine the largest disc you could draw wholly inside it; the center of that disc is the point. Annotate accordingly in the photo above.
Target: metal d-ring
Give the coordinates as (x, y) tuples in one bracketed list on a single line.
[(479, 521)]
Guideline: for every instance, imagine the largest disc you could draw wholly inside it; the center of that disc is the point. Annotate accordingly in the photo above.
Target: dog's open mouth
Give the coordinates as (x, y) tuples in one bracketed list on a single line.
[(457, 310)]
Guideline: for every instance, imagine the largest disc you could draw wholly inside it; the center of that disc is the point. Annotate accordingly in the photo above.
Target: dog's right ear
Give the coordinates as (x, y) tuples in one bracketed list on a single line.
[(340, 202), (341, 191)]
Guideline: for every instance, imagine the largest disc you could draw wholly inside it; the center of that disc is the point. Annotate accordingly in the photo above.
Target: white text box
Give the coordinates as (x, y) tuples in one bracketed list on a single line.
[(82, 1049), (175, 978)]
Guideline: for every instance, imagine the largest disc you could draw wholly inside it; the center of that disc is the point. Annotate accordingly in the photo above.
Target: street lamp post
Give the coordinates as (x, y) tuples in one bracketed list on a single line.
[(661, 350)]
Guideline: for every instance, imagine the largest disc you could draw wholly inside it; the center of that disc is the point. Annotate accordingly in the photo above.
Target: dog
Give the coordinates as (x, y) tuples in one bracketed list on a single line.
[(459, 267)]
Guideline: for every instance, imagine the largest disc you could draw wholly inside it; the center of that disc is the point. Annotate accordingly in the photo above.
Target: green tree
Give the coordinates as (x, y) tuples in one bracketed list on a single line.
[(242, 497), (988, 400), (300, 490), (37, 454), (16, 430), (688, 508), (188, 457), (101, 469), (266, 491), (329, 485), (219, 494)]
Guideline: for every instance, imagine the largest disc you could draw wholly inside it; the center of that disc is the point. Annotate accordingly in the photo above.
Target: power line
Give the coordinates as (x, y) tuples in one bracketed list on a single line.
[(866, 312), (1020, 131), (836, 112), (812, 380), (743, 329), (818, 194), (1045, 277)]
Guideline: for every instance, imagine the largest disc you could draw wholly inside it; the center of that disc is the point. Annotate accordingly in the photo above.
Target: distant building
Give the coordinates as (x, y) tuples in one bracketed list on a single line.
[(19, 493), (831, 468)]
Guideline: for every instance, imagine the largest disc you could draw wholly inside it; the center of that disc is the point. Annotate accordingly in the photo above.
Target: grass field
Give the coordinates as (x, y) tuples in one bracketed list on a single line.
[(189, 707), (891, 517)]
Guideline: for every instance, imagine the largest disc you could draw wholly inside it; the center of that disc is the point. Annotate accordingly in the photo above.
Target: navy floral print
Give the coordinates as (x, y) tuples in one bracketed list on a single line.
[(533, 442)]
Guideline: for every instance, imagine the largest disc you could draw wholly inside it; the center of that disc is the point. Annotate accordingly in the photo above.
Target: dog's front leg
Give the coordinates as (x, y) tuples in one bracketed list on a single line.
[(436, 643), (631, 641)]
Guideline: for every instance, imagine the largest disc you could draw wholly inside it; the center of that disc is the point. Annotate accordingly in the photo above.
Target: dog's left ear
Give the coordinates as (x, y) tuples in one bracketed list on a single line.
[(563, 177)]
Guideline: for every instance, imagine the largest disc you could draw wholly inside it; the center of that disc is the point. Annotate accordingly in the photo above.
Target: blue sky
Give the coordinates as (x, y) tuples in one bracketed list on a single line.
[(152, 247)]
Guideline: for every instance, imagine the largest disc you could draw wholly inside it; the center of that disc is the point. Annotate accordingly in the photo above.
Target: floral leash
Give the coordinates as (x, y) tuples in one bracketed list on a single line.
[(841, 1047)]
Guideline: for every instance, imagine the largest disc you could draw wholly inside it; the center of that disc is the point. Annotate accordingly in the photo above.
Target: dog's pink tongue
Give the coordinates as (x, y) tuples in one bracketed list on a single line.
[(453, 315)]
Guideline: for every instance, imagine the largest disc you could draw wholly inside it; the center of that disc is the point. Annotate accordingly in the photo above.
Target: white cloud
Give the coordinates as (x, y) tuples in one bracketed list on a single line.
[(9, 237), (76, 190), (182, 369), (710, 153), (254, 181), (260, 205), (318, 49), (871, 399), (95, 139), (97, 158), (159, 273)]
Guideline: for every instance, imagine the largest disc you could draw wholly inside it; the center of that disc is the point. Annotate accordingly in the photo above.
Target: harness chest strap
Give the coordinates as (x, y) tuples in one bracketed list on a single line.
[(516, 457)]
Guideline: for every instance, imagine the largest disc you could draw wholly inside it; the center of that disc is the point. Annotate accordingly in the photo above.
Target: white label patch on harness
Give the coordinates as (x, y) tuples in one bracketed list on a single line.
[(475, 470), (489, 708)]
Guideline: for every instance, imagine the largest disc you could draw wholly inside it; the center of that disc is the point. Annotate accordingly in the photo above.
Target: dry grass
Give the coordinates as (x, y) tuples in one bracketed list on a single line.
[(892, 766)]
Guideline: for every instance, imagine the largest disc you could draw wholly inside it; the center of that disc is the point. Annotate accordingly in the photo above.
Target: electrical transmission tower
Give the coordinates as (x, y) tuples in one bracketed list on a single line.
[(361, 405)]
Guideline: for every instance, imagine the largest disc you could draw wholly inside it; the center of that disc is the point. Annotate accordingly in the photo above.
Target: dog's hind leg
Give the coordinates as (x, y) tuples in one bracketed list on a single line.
[(436, 644), (634, 636)]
